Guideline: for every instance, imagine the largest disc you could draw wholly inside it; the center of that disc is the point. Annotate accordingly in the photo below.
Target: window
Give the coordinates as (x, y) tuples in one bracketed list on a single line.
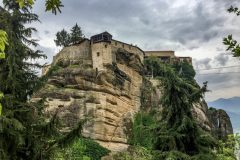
[(123, 45), (115, 43), (98, 54), (105, 45)]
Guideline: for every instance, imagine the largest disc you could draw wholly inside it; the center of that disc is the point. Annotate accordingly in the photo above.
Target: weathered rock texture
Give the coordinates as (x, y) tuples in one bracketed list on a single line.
[(220, 122), (108, 97), (103, 82)]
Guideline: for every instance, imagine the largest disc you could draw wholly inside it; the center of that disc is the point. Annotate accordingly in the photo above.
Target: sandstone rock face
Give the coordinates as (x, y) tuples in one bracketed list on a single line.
[(199, 112), (220, 122), (108, 92), (107, 98)]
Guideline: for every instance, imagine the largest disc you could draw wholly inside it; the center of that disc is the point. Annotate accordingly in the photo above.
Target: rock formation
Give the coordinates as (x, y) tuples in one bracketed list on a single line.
[(220, 122), (108, 98), (102, 81)]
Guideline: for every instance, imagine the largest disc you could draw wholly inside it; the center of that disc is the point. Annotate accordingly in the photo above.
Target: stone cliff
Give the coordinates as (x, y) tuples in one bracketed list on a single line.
[(108, 98), (104, 83)]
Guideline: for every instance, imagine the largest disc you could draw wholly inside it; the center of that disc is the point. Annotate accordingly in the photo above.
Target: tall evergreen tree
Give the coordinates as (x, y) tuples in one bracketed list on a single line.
[(24, 131), (76, 34), (17, 77), (177, 133)]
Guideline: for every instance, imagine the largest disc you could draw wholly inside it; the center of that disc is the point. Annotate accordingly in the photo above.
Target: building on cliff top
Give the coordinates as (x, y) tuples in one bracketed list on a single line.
[(101, 50), (167, 56)]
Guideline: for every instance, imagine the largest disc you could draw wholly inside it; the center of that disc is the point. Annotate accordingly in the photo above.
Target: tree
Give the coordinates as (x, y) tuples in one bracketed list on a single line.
[(25, 133), (76, 34), (177, 134), (185, 70), (51, 5), (62, 38), (17, 77), (227, 150)]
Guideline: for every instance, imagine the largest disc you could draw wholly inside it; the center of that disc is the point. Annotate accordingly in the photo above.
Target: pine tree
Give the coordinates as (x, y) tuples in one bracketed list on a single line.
[(76, 34), (62, 38), (177, 133), (17, 78), (25, 132)]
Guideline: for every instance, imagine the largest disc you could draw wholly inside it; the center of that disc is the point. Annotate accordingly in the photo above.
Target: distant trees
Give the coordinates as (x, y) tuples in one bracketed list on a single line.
[(63, 38)]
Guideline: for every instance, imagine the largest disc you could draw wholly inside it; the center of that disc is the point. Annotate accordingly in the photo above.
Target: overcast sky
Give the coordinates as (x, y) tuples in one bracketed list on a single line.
[(189, 27)]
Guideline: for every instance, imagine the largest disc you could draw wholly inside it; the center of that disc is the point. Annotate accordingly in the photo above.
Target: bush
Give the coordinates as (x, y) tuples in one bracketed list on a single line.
[(94, 150), (81, 149)]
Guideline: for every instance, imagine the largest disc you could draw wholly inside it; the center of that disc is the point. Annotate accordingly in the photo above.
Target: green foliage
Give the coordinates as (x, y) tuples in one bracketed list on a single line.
[(234, 10), (94, 150), (171, 155), (185, 70), (23, 3), (63, 38), (134, 153), (3, 43), (81, 149), (1, 96), (232, 45), (226, 149), (25, 133), (174, 134), (53, 5), (144, 124)]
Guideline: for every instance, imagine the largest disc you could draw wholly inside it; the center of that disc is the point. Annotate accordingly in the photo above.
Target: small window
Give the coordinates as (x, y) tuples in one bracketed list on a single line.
[(115, 43), (123, 45), (98, 54), (105, 45)]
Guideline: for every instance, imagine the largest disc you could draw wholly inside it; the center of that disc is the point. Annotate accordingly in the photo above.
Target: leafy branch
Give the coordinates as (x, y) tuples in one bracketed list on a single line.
[(234, 10), (233, 45), (3, 43), (51, 5)]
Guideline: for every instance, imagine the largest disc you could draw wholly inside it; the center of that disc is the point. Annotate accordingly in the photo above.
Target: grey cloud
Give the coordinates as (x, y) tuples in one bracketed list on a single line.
[(49, 52), (151, 21), (222, 59), (152, 24), (202, 63), (46, 32), (219, 81)]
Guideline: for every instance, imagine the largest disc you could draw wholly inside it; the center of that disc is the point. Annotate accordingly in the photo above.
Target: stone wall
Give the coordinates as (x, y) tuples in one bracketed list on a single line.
[(74, 54), (128, 47), (101, 54)]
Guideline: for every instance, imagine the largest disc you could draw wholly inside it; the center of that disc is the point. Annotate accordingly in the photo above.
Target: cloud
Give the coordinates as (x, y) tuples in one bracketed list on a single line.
[(202, 63), (46, 32), (142, 21), (222, 59), (49, 52), (190, 27)]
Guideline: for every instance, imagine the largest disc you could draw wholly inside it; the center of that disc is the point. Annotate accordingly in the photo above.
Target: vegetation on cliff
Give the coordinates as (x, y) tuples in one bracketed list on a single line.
[(63, 38), (172, 132)]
